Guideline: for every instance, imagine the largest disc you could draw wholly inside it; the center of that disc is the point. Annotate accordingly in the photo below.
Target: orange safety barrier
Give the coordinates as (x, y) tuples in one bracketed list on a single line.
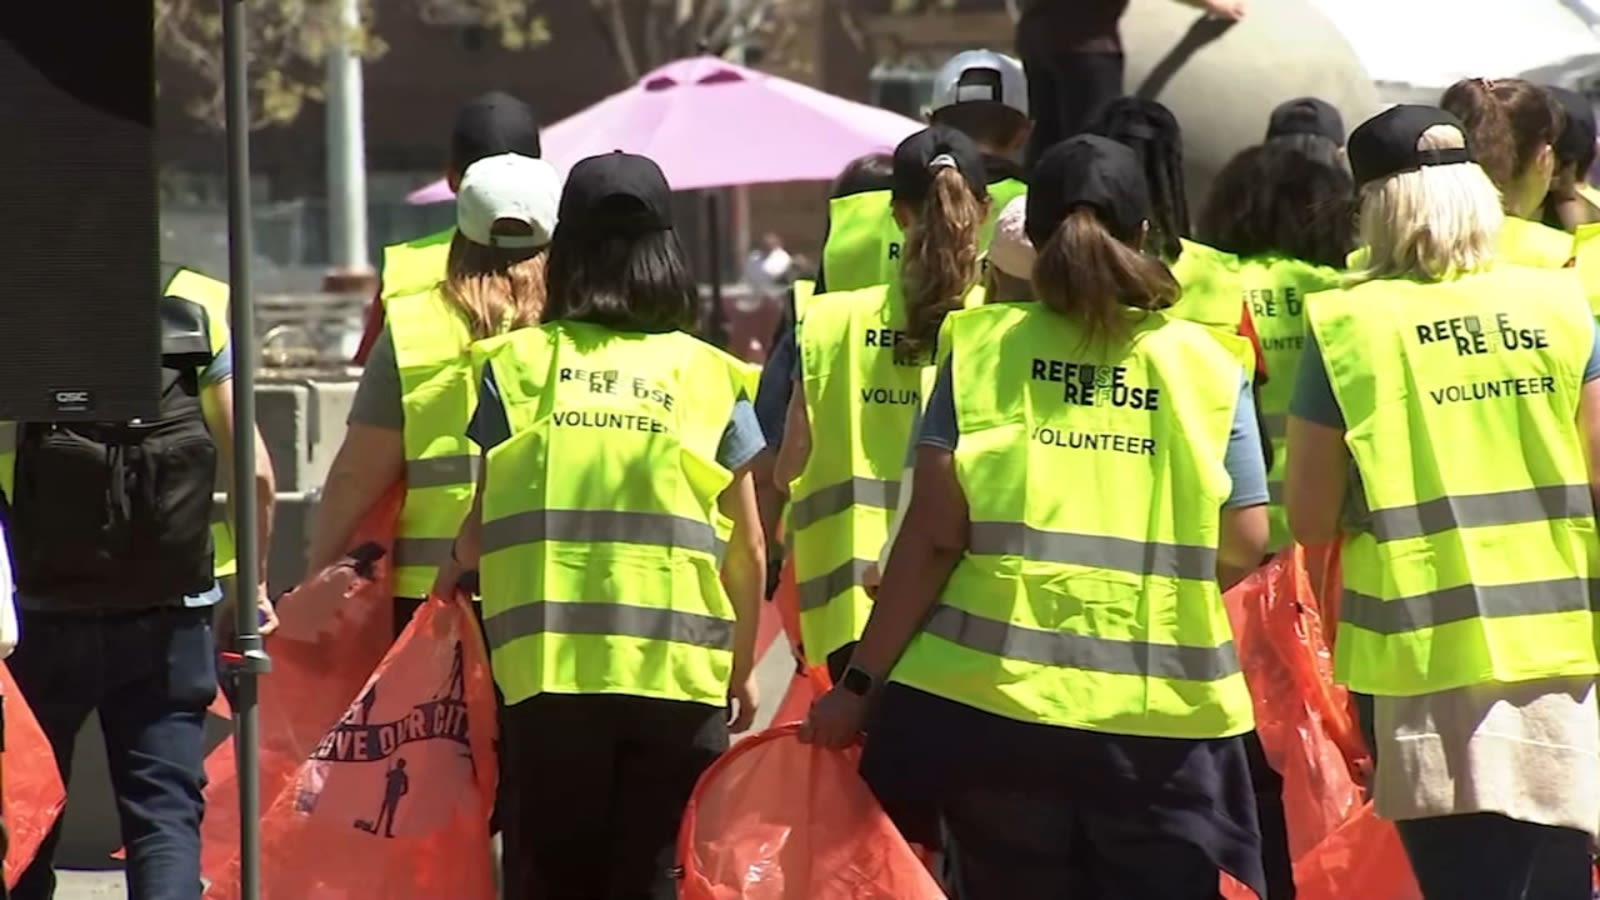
[(335, 629), (394, 800), (34, 794)]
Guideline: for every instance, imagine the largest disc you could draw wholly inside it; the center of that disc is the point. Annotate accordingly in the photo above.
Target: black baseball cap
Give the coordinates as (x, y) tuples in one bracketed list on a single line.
[(1576, 143), (492, 125), (1386, 144), (1087, 171), (921, 156), (1306, 115), (616, 193)]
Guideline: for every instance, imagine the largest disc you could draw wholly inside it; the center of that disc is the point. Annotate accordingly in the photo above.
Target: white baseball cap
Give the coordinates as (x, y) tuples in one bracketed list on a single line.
[(508, 186), (1010, 251), (980, 76)]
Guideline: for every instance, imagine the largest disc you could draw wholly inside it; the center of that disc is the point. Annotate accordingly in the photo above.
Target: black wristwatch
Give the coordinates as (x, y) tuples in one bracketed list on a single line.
[(857, 681)]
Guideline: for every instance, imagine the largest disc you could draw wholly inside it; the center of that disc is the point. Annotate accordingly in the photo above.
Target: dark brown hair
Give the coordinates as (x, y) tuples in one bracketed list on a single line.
[(1507, 121), (1276, 198), (941, 260), (1087, 274)]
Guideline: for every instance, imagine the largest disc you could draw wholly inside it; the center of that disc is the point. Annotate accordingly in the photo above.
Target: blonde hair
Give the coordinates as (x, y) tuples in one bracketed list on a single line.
[(498, 289), (1432, 222)]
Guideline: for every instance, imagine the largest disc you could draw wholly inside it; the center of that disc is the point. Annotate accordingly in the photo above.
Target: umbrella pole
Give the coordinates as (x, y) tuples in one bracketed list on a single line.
[(254, 661), (716, 323)]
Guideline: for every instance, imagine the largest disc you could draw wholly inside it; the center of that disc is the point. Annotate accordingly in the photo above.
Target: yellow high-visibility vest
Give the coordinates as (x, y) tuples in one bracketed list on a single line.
[(1094, 476), (601, 545), (1477, 559), (861, 404), (437, 396)]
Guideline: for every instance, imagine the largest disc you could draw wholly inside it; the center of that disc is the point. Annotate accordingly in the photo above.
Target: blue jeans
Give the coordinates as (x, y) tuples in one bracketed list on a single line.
[(150, 675)]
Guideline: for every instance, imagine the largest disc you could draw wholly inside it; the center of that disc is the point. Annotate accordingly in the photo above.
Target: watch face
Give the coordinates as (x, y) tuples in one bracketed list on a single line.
[(856, 681)]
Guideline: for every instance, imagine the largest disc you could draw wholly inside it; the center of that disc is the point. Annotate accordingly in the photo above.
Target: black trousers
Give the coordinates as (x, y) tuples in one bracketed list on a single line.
[(596, 786), (1487, 856), (1275, 858), (1007, 845), (1065, 92)]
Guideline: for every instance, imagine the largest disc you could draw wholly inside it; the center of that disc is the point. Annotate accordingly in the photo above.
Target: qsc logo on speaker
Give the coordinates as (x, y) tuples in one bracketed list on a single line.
[(72, 400)]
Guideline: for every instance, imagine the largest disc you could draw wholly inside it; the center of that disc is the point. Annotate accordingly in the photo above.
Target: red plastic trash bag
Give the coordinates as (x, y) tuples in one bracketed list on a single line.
[(1362, 859), (394, 801), (775, 819), (34, 794), (786, 600), (335, 629), (1301, 715)]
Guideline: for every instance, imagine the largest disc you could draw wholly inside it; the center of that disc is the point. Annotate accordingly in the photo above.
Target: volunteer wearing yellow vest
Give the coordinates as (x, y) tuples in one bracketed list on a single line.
[(1283, 209), (410, 412), (1465, 394), (859, 384), (1064, 692), (1513, 126), (615, 444), (866, 173), (493, 124)]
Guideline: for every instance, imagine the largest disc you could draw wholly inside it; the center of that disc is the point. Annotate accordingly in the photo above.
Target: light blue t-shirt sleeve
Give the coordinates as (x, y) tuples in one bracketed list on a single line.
[(1313, 398), (221, 367), (742, 439), (939, 427), (1313, 392), (1243, 459), (489, 427)]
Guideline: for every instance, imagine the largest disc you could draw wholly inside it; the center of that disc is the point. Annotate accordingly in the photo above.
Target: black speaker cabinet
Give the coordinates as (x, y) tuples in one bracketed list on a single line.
[(79, 238)]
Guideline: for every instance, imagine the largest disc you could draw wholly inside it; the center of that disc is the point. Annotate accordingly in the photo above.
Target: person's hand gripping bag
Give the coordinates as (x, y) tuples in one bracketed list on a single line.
[(775, 819)]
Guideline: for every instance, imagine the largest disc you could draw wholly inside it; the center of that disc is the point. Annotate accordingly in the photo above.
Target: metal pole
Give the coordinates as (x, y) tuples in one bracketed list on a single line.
[(347, 171), (241, 321)]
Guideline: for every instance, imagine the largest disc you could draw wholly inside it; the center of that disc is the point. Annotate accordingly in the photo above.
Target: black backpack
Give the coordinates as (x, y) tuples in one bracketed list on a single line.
[(117, 515)]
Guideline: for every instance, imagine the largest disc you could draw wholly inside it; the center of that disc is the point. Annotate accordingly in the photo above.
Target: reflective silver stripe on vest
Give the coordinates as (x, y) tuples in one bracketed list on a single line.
[(1277, 425), (410, 551), (1098, 551), (833, 500), (584, 526), (1081, 651), (8, 437), (1468, 601), (609, 619), (1275, 492), (441, 471), (1564, 501), (814, 593)]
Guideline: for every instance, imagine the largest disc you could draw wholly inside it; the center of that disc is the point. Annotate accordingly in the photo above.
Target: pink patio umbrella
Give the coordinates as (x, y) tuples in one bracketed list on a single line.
[(709, 123)]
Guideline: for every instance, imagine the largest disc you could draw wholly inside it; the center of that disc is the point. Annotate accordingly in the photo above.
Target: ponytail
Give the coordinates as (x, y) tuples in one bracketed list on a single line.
[(1472, 100), (941, 261), (1086, 274), (1509, 121)]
